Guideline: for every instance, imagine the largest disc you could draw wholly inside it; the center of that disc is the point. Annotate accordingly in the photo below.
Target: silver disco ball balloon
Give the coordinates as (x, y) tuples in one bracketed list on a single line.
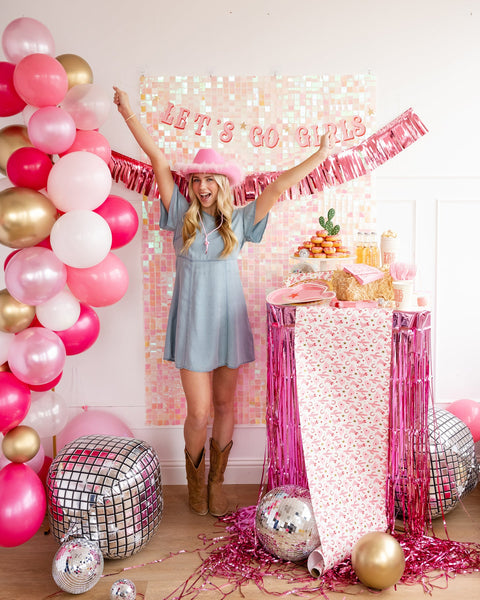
[(453, 464), (107, 489), (77, 566), (285, 523)]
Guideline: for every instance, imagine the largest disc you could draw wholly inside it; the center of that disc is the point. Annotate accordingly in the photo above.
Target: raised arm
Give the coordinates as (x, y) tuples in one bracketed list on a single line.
[(160, 164), (290, 177)]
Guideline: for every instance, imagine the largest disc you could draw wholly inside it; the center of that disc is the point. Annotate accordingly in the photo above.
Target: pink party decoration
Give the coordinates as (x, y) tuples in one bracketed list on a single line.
[(101, 285), (23, 504), (51, 129), (59, 312), (25, 36), (45, 387), (91, 141), (15, 398), (92, 422), (469, 412), (40, 80), (83, 334), (122, 219), (34, 275), (29, 167), (36, 356), (88, 104), (10, 101)]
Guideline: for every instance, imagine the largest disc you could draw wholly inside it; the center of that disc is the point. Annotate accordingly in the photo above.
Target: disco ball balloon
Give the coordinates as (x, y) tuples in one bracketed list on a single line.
[(123, 589), (77, 565), (107, 489), (285, 523), (453, 464)]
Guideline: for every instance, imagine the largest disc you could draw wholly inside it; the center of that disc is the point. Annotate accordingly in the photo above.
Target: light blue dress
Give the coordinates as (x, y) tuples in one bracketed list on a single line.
[(208, 324)]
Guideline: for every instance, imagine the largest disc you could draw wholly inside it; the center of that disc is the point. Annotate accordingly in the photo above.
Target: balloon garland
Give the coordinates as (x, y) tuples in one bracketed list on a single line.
[(62, 224)]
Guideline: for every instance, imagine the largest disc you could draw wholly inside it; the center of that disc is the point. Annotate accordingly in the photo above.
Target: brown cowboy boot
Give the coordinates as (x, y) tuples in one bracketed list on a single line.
[(217, 500), (197, 489)]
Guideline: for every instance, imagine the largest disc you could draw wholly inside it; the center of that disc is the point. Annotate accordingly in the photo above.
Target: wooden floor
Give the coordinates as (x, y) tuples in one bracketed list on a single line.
[(26, 569)]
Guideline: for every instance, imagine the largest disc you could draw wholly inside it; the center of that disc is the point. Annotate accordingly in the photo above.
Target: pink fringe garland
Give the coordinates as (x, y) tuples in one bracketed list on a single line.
[(336, 170)]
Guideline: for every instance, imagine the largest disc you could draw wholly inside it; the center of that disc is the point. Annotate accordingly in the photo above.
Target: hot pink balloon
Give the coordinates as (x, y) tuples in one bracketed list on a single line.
[(34, 275), (40, 80), (88, 104), (25, 36), (23, 504), (36, 356), (469, 412), (90, 422), (83, 334), (51, 129), (10, 101), (91, 141), (122, 219), (100, 285), (29, 167), (15, 398)]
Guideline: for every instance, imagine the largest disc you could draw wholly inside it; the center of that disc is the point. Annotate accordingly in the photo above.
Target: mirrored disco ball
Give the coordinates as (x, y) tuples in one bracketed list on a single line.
[(453, 464), (285, 523), (107, 489), (123, 589), (77, 565)]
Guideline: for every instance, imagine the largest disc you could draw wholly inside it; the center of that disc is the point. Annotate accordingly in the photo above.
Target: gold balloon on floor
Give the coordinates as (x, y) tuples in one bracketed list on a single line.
[(14, 315), (12, 138), (21, 444), (378, 560), (26, 217), (78, 70)]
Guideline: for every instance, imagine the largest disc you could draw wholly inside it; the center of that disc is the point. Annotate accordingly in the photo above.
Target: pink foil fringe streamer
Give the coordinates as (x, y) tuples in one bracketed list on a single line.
[(337, 169)]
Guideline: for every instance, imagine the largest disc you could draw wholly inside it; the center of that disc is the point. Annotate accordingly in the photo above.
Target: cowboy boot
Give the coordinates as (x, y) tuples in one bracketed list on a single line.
[(217, 500), (197, 489)]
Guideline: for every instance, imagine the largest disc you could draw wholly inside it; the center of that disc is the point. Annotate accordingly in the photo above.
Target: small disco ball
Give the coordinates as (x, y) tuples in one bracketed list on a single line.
[(77, 565), (107, 489), (285, 523), (453, 464), (123, 589)]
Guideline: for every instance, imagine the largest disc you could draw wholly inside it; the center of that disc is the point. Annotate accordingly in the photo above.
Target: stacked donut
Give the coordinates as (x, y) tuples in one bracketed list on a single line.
[(323, 245)]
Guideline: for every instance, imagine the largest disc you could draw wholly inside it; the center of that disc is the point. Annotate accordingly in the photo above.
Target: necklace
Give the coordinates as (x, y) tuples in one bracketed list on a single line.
[(207, 243)]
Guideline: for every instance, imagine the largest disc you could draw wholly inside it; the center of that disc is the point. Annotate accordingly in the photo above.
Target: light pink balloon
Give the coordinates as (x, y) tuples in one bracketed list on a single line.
[(40, 80), (90, 422), (25, 36), (51, 129), (79, 180), (91, 141), (469, 412), (36, 356), (35, 274), (101, 285), (88, 104)]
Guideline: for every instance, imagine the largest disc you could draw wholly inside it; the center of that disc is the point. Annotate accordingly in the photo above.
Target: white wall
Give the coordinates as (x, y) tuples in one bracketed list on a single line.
[(424, 54)]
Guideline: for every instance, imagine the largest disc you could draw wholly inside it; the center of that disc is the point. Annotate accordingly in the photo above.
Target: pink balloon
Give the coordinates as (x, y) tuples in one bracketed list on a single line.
[(91, 141), (469, 412), (122, 219), (10, 101), (45, 387), (36, 356), (23, 504), (91, 422), (25, 36), (51, 129), (40, 80), (34, 275), (88, 104), (100, 285), (29, 167), (83, 334), (15, 399)]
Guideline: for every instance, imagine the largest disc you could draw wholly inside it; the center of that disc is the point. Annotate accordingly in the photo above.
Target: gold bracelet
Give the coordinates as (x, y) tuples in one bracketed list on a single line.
[(130, 117)]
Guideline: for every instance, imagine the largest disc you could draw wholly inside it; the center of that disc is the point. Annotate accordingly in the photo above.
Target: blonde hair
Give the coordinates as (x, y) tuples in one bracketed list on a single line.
[(224, 208)]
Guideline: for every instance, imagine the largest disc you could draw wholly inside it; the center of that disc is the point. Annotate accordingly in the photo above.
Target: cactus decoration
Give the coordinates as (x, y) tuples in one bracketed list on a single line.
[(328, 225)]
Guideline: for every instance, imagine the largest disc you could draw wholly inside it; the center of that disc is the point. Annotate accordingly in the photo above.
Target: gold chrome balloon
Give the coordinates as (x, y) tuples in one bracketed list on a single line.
[(14, 315), (78, 70), (26, 217), (21, 444), (12, 138), (4, 368), (378, 560)]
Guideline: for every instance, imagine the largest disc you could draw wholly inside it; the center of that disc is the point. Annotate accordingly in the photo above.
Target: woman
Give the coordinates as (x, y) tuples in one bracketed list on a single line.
[(208, 332)]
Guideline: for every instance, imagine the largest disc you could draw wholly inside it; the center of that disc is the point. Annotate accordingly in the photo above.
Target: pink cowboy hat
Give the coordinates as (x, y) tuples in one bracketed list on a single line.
[(210, 161)]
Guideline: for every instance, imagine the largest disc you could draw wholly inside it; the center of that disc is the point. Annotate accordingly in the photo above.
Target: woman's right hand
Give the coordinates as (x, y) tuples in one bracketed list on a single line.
[(120, 98)]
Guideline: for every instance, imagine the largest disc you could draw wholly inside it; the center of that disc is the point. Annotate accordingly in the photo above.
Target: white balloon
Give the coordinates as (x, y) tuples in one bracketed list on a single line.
[(81, 238), (60, 312), (5, 340), (28, 112), (48, 414)]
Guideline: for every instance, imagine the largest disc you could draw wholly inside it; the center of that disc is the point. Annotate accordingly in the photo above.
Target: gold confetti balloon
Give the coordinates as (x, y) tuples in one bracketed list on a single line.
[(378, 560)]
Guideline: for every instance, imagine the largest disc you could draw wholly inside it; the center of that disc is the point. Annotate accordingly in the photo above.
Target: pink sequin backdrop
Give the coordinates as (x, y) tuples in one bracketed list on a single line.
[(244, 108)]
